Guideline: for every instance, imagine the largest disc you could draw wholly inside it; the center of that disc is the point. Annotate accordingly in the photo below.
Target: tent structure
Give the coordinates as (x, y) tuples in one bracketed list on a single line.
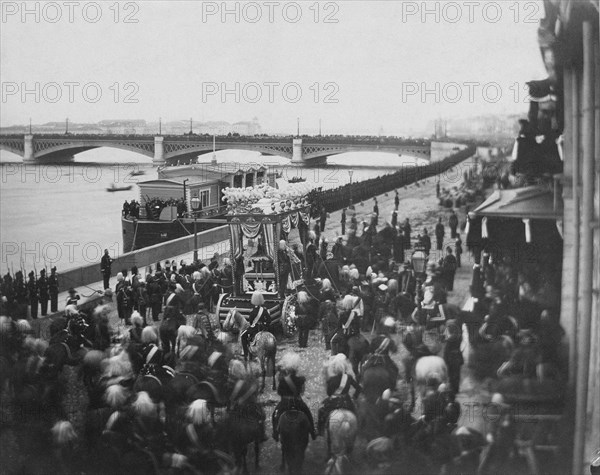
[(532, 202), (516, 221)]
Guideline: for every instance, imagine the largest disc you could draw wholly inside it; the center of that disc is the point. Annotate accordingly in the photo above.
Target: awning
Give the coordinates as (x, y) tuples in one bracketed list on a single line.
[(533, 202)]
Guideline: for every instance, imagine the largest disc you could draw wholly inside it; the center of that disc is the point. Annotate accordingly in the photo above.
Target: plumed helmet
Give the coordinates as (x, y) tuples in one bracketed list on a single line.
[(389, 322), (71, 311)]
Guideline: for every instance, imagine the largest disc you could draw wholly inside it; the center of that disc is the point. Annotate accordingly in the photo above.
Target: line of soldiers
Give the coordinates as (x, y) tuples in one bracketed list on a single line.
[(131, 209), (17, 294), (185, 288)]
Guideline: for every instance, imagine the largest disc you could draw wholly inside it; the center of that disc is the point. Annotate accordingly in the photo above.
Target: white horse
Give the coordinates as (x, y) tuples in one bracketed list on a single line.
[(342, 428), (430, 372)]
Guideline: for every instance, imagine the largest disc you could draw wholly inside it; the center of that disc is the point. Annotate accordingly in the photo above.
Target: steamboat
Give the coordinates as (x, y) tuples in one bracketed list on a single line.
[(186, 197)]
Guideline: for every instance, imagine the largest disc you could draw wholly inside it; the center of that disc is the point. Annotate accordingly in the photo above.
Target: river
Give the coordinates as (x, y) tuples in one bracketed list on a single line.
[(62, 214)]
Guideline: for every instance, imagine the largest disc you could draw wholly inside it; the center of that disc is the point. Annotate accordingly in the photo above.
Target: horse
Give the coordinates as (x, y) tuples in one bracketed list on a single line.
[(263, 347), (155, 380), (64, 349), (355, 347), (374, 381), (429, 372), (203, 324), (240, 428), (172, 320), (342, 428), (293, 428)]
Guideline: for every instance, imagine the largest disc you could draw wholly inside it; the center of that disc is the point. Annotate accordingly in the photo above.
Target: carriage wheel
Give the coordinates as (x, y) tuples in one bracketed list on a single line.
[(218, 308), (288, 316)]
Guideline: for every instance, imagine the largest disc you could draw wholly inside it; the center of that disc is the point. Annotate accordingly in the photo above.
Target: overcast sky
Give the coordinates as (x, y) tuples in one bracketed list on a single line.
[(363, 73)]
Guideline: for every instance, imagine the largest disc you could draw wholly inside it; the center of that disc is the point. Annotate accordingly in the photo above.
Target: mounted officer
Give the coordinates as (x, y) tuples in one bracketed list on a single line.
[(259, 318)]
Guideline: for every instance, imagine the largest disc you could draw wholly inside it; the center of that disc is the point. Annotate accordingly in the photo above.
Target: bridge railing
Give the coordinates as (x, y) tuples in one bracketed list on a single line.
[(308, 139)]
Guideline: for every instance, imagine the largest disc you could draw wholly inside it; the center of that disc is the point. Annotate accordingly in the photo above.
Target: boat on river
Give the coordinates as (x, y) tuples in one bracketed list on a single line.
[(112, 188), (166, 211)]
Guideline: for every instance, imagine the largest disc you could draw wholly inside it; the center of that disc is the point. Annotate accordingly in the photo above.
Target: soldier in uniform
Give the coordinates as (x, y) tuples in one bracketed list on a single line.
[(381, 346), (290, 387), (53, 290), (284, 264), (73, 297), (32, 292), (20, 291), (453, 223), (407, 230), (439, 234), (105, 264), (7, 291), (42, 285), (311, 255)]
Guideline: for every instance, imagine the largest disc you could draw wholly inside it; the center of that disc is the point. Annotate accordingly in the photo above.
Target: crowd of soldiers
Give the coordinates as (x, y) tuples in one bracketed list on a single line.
[(22, 297), (183, 287), (131, 209), (400, 235)]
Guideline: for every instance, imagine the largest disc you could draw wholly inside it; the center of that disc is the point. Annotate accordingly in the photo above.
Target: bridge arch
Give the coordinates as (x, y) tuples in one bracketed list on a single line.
[(10, 148), (174, 150), (48, 150), (314, 151)]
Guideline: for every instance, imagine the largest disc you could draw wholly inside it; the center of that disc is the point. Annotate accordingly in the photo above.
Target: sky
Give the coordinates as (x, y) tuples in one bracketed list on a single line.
[(358, 66)]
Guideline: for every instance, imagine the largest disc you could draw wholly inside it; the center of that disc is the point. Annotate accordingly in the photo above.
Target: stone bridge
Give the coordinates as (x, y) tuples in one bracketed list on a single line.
[(163, 149)]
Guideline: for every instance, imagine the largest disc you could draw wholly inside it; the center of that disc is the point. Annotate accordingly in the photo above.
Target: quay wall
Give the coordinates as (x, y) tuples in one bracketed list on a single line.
[(441, 150), (90, 274)]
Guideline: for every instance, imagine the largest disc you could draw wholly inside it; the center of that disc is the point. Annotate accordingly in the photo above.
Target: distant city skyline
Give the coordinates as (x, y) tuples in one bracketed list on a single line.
[(489, 126)]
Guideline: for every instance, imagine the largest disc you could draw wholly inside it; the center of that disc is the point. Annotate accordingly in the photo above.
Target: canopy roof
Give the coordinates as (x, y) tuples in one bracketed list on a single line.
[(533, 202)]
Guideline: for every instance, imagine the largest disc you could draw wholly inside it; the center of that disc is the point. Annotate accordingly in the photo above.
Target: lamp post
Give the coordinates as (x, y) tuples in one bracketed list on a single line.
[(350, 173), (185, 190), (196, 206), (419, 261)]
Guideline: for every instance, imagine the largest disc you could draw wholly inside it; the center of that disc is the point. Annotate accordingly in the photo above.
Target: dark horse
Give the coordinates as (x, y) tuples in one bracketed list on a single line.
[(172, 320), (294, 428), (238, 430), (374, 381)]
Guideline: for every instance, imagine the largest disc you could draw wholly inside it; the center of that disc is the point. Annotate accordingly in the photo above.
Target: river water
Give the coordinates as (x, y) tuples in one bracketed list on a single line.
[(62, 214)]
